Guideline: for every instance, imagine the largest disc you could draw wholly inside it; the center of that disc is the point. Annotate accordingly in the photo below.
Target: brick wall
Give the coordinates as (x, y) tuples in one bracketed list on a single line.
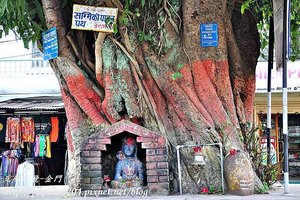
[(157, 168)]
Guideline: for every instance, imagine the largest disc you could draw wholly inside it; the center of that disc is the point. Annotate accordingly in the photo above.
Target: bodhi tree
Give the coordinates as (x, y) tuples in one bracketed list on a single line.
[(153, 71)]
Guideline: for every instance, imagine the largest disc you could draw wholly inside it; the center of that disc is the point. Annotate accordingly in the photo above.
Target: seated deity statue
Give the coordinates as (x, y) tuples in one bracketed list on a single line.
[(129, 170)]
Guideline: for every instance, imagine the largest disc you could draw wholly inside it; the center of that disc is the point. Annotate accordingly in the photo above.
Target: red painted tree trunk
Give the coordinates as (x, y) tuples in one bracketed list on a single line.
[(133, 77)]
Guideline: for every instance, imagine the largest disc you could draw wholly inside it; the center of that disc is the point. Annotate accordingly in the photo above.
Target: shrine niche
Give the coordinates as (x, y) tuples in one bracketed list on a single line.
[(125, 141)]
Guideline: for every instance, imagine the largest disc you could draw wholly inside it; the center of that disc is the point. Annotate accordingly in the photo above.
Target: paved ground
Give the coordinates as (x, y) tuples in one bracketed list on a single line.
[(61, 192)]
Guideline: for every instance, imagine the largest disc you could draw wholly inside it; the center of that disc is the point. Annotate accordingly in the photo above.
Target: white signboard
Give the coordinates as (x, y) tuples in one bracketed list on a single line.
[(264, 151), (293, 77), (94, 18)]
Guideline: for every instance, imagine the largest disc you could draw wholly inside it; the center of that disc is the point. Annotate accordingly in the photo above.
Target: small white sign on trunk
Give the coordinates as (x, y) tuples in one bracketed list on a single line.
[(94, 18)]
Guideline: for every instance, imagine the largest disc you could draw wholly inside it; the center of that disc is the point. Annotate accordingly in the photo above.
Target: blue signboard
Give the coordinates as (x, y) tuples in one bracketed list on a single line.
[(50, 45), (209, 36)]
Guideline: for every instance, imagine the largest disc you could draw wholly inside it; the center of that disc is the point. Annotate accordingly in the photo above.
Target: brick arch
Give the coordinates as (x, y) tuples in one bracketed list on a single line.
[(157, 169)]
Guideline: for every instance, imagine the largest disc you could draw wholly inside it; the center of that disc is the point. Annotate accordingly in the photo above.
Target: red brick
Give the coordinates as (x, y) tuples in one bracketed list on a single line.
[(150, 152), (161, 151), (95, 147), (95, 153), (153, 144), (152, 172), (102, 147), (158, 186), (90, 160), (85, 154), (151, 165), (147, 139), (97, 180), (150, 158), (163, 172), (91, 174), (105, 141), (147, 145), (95, 166), (162, 165), (85, 167), (161, 158), (85, 180), (162, 141), (163, 179), (92, 141), (152, 179)]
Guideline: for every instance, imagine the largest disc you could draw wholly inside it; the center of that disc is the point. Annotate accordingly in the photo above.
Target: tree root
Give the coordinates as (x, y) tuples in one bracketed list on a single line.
[(98, 56)]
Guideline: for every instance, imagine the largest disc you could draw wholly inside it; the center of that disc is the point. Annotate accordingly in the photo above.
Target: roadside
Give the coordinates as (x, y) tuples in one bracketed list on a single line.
[(61, 192)]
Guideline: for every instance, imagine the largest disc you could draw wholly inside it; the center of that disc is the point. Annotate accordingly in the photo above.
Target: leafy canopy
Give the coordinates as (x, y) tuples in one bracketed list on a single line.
[(263, 11), (24, 18)]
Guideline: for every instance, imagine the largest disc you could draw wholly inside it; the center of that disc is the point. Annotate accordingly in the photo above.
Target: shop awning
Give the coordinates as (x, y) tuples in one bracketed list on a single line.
[(32, 104)]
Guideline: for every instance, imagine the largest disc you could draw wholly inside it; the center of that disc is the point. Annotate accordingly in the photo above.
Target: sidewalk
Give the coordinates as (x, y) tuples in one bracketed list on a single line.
[(61, 192)]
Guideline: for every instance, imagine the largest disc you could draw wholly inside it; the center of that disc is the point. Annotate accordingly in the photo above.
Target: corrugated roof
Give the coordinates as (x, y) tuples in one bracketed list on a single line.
[(36, 104)]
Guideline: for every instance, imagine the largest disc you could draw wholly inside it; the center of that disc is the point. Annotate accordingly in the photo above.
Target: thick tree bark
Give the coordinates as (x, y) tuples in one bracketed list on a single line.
[(122, 77)]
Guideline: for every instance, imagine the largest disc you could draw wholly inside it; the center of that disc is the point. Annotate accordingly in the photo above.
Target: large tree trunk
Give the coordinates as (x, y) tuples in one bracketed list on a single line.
[(105, 78)]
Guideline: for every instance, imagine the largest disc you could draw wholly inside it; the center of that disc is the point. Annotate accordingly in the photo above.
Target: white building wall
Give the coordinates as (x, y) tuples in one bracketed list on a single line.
[(20, 73)]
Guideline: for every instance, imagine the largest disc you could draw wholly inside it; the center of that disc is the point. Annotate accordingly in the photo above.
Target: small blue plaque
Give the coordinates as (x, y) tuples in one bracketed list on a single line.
[(209, 36), (50, 46)]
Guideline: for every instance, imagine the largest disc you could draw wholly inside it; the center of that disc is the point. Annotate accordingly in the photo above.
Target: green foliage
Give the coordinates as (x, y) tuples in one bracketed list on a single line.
[(180, 66), (18, 15), (143, 37), (252, 143), (263, 190), (176, 75), (115, 28), (211, 189), (263, 11)]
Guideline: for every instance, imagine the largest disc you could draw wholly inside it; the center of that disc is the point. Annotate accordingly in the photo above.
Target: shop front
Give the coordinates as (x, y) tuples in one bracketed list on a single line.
[(32, 142), (276, 133)]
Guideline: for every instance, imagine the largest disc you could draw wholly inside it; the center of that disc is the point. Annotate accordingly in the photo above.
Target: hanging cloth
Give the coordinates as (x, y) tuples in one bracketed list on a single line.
[(13, 130), (42, 145), (54, 130), (25, 175), (27, 129), (48, 147), (37, 146)]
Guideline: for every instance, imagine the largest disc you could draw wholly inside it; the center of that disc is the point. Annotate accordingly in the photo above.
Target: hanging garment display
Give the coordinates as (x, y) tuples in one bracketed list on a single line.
[(48, 147), (13, 130), (27, 129), (55, 130), (37, 146), (42, 145), (25, 175), (9, 166)]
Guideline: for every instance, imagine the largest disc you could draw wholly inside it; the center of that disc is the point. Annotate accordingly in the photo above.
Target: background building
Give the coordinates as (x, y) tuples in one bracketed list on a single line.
[(293, 86), (30, 90)]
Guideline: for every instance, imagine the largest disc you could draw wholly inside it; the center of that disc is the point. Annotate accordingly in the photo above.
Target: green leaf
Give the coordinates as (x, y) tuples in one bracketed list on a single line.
[(176, 75), (125, 21), (243, 8), (143, 3), (40, 11), (179, 66), (293, 58), (115, 28), (32, 13)]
